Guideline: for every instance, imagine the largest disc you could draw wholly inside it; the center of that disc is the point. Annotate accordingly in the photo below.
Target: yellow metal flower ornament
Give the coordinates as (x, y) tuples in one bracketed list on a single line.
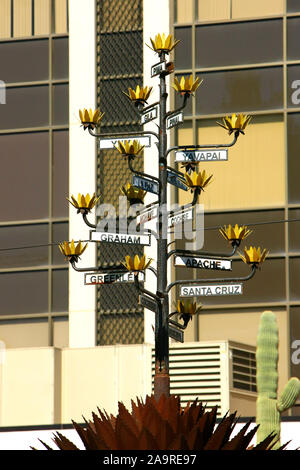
[(235, 234), (134, 195), (70, 251), (254, 255), (90, 119), (129, 148), (163, 44), (197, 180), (136, 264), (235, 123), (84, 204), (139, 95), (187, 85)]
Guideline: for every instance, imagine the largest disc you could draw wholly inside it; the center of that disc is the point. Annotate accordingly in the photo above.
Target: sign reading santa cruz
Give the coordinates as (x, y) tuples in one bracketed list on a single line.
[(220, 289), (201, 155)]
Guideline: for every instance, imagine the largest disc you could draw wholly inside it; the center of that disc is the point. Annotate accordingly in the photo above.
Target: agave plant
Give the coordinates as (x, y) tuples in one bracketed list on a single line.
[(162, 425)]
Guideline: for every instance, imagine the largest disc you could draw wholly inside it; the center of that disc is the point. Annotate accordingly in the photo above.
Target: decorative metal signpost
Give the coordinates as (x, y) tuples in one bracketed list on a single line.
[(130, 269)]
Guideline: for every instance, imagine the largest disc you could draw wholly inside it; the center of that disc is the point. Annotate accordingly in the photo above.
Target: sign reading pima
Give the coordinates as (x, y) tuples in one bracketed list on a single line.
[(174, 120), (201, 156), (131, 239), (220, 289), (202, 263), (110, 143), (157, 69), (110, 278)]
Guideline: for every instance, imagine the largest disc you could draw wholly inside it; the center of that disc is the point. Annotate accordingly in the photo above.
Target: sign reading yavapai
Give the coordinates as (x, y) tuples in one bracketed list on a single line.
[(110, 278), (132, 239), (225, 289), (201, 155), (202, 263), (111, 143)]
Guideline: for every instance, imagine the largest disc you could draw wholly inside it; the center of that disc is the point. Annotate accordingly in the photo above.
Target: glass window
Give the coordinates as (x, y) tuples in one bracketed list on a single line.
[(183, 50), (294, 230), (240, 90), (25, 107), (293, 25), (25, 179), (60, 290), (294, 278), (24, 333), (293, 84), (254, 42), (60, 58), (293, 135), (24, 61), (60, 233), (293, 6), (24, 292), (16, 236), (60, 104), (60, 173)]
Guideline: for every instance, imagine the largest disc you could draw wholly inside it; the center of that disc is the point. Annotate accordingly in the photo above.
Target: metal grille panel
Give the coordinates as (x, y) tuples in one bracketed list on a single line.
[(243, 370)]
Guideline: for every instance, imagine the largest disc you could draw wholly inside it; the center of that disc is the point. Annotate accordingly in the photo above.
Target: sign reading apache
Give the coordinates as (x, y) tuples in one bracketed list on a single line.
[(202, 263), (110, 278), (201, 155), (220, 289), (132, 239)]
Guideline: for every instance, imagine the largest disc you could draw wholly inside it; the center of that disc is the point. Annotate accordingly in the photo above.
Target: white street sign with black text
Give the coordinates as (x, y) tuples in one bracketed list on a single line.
[(132, 239), (201, 155), (220, 289), (202, 263), (110, 278), (111, 143)]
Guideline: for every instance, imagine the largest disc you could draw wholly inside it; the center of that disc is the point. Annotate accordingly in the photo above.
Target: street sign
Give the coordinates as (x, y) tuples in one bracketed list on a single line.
[(131, 239), (180, 217), (147, 302), (176, 180), (220, 289), (157, 69), (145, 183), (202, 263), (110, 143), (174, 120), (149, 115), (201, 155), (110, 278), (147, 215), (176, 334)]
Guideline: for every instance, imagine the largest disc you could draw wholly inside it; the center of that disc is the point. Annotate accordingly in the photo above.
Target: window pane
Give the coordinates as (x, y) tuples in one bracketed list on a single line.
[(60, 173), (254, 42), (25, 179), (183, 50), (293, 25), (294, 278), (25, 107), (61, 104), (23, 235), (293, 133), (60, 332), (60, 290), (60, 58), (23, 292), (240, 90), (33, 55), (293, 6), (294, 230), (293, 84), (24, 333), (60, 233)]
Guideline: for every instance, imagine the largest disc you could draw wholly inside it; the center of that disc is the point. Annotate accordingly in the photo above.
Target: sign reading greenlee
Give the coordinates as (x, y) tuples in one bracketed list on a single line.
[(201, 155), (202, 263), (131, 239), (220, 289), (110, 278)]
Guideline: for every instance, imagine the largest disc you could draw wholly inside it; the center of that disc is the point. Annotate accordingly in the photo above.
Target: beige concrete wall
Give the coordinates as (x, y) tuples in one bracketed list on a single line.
[(243, 403)]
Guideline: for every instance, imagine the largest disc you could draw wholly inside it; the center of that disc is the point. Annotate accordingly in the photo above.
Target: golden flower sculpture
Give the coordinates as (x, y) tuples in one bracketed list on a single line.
[(136, 264), (190, 166), (197, 180), (236, 233), (254, 255), (70, 251), (84, 204), (140, 95), (187, 85), (235, 123), (187, 307), (129, 148), (134, 195), (163, 44), (90, 119)]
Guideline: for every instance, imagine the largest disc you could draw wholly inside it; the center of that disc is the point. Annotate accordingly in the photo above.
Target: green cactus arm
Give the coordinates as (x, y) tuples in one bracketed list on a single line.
[(289, 394), (267, 355)]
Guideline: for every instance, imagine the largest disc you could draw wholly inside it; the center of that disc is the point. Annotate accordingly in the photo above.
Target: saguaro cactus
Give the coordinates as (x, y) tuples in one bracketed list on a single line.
[(268, 406)]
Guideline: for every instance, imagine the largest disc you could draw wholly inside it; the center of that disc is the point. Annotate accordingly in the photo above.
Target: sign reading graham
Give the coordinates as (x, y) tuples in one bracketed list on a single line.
[(225, 289), (131, 239), (202, 263), (201, 155)]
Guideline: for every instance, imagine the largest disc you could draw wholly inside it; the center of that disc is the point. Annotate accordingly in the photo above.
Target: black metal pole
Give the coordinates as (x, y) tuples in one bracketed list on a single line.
[(162, 378)]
